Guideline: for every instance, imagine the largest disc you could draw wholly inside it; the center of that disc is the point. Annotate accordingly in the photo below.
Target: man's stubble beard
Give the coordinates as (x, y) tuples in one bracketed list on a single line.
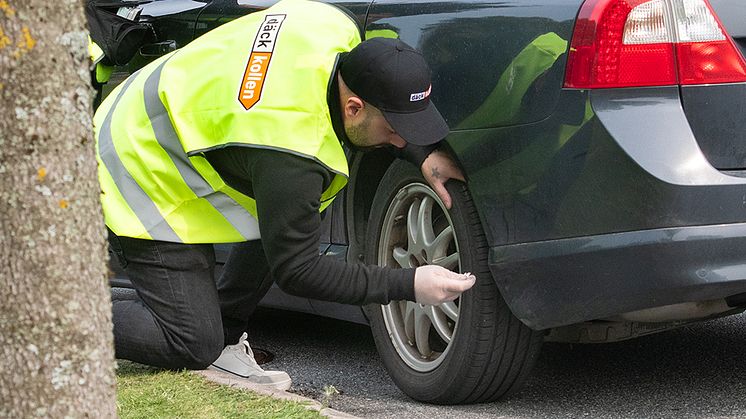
[(357, 134)]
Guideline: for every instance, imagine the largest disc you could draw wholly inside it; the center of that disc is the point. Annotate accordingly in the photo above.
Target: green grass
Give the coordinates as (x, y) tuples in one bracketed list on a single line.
[(145, 392)]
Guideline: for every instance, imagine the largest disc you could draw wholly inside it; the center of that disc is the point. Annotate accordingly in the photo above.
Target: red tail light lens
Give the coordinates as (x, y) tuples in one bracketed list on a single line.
[(630, 43), (713, 62)]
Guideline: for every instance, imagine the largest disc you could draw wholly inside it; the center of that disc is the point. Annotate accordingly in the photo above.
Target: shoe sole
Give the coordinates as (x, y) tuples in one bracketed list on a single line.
[(283, 385)]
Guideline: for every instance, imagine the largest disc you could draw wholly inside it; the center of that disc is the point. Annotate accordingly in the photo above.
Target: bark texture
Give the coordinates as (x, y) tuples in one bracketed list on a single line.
[(56, 348)]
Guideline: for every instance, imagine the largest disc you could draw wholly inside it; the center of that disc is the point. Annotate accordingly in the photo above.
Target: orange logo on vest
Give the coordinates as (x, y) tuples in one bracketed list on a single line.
[(258, 65)]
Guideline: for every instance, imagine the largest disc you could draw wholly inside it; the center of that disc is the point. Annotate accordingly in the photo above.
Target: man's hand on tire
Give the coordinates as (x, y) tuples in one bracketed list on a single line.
[(434, 284), (437, 168)]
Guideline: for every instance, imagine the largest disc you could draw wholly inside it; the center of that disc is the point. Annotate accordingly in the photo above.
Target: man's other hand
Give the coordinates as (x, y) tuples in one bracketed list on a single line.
[(437, 168), (435, 284)]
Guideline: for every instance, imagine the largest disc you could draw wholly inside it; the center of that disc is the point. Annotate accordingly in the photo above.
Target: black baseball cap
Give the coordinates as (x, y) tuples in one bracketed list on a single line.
[(393, 77)]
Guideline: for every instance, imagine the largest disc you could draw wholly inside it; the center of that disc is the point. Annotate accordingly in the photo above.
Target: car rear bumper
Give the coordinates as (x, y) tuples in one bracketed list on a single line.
[(559, 282)]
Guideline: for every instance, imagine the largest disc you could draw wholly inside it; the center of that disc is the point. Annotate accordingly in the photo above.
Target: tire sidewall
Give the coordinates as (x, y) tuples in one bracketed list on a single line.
[(434, 386)]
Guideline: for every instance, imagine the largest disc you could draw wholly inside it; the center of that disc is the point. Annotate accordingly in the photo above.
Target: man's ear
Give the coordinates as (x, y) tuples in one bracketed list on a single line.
[(353, 107)]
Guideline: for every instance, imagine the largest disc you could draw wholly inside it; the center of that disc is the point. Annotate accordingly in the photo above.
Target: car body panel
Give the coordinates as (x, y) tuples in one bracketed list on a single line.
[(631, 165), (651, 127), (482, 78), (716, 116), (182, 8), (560, 282), (219, 12), (607, 172)]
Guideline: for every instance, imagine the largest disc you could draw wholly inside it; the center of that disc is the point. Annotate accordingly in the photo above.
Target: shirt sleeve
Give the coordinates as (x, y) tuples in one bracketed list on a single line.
[(287, 190)]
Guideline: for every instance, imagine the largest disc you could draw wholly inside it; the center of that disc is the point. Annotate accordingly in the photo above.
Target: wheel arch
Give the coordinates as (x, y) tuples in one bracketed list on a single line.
[(366, 172)]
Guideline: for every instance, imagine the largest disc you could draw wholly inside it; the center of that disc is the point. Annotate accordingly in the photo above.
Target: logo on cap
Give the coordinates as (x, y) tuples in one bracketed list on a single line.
[(415, 97), (261, 53)]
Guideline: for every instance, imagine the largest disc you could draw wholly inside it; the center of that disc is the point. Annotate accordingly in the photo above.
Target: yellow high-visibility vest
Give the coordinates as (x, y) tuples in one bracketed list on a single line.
[(258, 81)]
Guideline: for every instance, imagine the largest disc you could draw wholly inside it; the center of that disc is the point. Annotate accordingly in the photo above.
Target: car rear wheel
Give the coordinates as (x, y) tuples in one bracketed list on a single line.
[(467, 351)]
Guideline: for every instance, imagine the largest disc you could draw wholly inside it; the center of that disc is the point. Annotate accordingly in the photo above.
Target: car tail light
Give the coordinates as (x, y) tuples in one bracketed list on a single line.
[(628, 43)]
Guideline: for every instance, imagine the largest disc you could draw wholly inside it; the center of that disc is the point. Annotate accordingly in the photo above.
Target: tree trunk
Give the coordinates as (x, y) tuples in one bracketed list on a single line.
[(56, 349)]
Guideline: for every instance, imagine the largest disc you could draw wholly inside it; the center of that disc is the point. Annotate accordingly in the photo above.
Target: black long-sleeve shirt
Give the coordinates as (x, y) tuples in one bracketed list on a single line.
[(287, 189)]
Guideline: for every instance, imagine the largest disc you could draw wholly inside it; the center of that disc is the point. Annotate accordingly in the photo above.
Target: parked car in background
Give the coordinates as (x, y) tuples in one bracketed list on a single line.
[(604, 146)]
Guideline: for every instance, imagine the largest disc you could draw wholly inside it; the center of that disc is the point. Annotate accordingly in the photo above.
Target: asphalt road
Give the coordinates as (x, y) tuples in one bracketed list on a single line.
[(694, 372)]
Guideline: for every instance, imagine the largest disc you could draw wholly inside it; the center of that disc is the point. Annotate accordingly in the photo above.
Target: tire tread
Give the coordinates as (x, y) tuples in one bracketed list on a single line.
[(501, 349)]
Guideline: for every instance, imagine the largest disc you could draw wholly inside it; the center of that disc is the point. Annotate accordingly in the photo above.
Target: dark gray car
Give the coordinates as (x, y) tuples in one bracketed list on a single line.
[(603, 144)]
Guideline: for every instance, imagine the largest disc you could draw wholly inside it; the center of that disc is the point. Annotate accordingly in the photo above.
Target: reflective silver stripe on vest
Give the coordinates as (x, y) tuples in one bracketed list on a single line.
[(165, 134), (140, 203)]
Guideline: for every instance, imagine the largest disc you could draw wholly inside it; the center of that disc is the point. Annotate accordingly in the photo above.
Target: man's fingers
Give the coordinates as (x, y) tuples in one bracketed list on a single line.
[(443, 194), (460, 285), (453, 275)]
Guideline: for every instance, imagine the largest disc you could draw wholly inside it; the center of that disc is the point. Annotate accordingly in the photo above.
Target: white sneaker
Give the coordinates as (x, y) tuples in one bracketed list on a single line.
[(239, 360)]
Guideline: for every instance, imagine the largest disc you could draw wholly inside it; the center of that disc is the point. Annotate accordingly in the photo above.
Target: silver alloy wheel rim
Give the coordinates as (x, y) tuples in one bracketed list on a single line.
[(411, 236)]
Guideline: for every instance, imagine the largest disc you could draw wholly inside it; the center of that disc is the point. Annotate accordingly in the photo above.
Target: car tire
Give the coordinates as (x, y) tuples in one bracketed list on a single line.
[(489, 352)]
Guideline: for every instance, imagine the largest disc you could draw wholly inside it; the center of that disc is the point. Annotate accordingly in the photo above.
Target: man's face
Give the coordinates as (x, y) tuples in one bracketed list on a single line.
[(370, 130)]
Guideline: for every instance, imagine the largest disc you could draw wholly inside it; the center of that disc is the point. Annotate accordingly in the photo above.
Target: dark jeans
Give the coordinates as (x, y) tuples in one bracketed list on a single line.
[(176, 321)]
